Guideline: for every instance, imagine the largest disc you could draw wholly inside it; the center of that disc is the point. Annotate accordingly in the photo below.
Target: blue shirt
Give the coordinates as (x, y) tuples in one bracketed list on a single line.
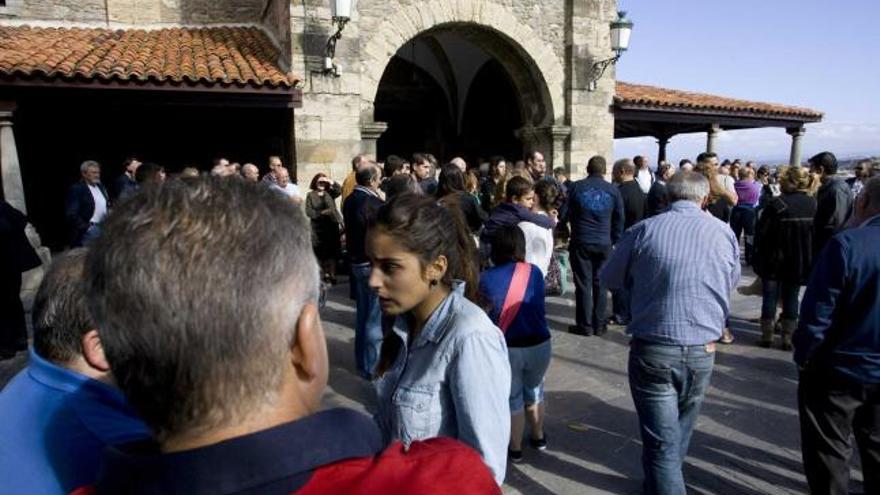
[(453, 381), (54, 424), (595, 210), (839, 327), (529, 328), (679, 267)]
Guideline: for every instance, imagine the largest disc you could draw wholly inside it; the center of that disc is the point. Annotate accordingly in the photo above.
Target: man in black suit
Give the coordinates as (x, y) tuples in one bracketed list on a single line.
[(658, 197), (358, 209), (86, 205)]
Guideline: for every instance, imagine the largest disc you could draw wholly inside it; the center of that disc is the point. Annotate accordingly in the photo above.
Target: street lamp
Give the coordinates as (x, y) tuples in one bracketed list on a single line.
[(340, 12), (621, 29)]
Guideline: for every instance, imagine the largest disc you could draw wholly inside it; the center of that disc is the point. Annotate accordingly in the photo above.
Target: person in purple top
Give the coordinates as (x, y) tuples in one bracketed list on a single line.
[(744, 214)]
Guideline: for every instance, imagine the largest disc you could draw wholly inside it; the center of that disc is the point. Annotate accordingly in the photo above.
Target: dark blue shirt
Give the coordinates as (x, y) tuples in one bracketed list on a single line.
[(839, 326), (595, 210), (529, 328), (54, 425)]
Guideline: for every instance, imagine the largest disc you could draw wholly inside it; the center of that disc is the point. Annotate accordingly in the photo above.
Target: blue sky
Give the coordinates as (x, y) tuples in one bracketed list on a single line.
[(818, 54)]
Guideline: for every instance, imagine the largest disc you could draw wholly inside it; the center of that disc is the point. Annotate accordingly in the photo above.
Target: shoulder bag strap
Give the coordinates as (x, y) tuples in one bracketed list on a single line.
[(515, 294)]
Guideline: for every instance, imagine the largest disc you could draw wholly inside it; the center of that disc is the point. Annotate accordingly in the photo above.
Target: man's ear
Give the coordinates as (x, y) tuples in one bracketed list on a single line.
[(309, 351), (93, 352)]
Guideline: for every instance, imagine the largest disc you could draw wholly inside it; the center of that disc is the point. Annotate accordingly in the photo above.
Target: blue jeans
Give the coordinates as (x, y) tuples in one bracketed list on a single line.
[(368, 326), (667, 383), (789, 293), (528, 365)]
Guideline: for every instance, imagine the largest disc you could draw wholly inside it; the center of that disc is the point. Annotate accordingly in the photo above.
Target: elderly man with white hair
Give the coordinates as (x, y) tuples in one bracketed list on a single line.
[(679, 268), (250, 172)]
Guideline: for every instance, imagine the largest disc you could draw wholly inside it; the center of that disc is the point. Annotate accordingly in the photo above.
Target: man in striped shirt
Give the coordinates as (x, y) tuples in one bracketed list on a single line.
[(680, 267)]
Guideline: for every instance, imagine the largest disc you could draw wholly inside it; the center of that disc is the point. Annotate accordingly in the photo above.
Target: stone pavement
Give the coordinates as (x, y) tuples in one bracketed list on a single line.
[(746, 441)]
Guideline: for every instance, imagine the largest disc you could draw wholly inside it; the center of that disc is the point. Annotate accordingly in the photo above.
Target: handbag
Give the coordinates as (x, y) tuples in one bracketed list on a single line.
[(558, 281), (515, 294)]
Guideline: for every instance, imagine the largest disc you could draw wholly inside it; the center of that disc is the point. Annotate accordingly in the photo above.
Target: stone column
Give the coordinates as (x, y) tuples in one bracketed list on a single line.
[(560, 134), (797, 135), (13, 188), (370, 134), (711, 135), (662, 141)]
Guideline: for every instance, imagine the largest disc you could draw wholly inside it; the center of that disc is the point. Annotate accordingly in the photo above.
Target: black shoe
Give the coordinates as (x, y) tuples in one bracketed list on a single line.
[(540, 444), (583, 332), (600, 331), (515, 456)]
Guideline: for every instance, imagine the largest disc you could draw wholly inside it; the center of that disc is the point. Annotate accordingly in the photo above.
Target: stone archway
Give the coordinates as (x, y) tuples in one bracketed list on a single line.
[(534, 68)]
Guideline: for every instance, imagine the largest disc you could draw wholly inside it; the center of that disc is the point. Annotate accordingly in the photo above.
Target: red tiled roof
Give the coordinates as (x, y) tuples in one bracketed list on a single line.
[(652, 97), (210, 56)]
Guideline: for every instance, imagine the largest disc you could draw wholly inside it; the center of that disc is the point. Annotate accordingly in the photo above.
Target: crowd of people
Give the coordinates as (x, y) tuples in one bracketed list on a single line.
[(182, 337)]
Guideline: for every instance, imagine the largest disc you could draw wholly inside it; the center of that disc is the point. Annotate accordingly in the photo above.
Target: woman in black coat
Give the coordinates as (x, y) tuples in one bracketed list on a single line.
[(326, 222), (784, 252)]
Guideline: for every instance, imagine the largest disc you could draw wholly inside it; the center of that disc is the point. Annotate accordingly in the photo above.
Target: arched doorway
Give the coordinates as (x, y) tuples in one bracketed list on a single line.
[(462, 89)]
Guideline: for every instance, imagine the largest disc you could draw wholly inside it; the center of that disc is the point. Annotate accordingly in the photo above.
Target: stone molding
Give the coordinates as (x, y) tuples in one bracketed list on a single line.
[(408, 22)]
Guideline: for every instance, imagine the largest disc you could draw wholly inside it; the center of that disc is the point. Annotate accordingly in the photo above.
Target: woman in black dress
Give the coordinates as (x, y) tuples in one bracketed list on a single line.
[(326, 223)]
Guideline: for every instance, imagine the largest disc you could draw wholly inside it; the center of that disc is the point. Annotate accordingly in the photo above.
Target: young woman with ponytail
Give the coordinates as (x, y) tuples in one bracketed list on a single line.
[(443, 369)]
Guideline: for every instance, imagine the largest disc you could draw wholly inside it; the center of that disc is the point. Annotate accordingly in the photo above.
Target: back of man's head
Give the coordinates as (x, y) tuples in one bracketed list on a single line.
[(626, 167), (393, 164), (367, 174), (197, 287), (638, 161), (596, 165), (826, 161), (60, 315), (688, 186), (870, 197), (149, 173)]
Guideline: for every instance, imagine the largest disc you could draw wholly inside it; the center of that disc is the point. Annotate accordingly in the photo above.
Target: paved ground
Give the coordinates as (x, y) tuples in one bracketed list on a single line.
[(746, 441)]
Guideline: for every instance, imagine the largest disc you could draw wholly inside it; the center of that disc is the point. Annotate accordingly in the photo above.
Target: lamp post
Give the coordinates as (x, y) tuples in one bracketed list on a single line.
[(621, 29), (340, 12)]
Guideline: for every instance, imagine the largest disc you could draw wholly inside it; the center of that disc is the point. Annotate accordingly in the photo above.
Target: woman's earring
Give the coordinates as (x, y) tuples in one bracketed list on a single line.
[(433, 283)]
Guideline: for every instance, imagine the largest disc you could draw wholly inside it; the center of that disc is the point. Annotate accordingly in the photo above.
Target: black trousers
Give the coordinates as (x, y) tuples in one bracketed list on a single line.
[(589, 293), (832, 409), (13, 332)]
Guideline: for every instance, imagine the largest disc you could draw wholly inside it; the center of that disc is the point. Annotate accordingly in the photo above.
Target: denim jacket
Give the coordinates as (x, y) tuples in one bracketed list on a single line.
[(453, 381)]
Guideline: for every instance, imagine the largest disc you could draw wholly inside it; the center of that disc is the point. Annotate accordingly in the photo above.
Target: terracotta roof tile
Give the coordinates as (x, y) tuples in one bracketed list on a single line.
[(662, 98), (208, 56)]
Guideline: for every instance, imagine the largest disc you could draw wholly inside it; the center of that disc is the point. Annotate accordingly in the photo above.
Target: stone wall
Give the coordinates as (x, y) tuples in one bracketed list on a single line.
[(137, 11), (558, 39)]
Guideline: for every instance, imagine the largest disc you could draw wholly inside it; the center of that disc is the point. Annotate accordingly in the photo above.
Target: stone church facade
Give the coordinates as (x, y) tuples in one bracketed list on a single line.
[(546, 48)]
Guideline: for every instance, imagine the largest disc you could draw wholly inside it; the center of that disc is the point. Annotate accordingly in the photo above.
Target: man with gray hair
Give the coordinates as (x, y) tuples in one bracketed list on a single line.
[(86, 205), (58, 414), (206, 292), (680, 267)]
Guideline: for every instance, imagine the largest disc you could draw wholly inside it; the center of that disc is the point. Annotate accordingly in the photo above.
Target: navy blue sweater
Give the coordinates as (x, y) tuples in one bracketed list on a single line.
[(840, 315), (529, 328), (507, 214), (595, 210)]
